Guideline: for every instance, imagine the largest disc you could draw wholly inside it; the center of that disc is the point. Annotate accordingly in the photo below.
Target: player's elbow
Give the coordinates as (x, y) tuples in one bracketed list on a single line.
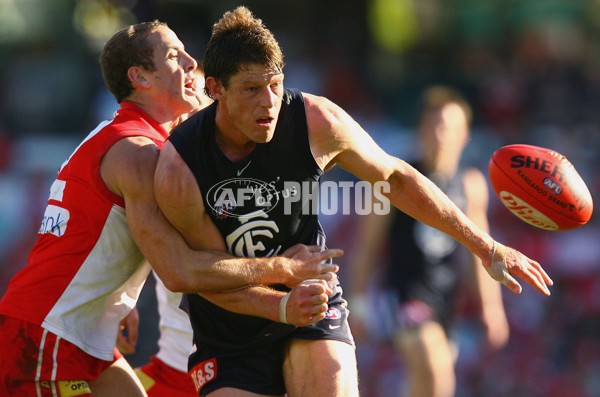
[(175, 284), (401, 175), (175, 280), (188, 282)]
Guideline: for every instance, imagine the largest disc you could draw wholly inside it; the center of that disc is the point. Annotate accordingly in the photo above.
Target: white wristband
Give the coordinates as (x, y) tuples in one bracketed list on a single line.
[(283, 308)]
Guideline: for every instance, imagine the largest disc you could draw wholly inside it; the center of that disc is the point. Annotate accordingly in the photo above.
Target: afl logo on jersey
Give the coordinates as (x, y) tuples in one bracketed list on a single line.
[(333, 313), (238, 196)]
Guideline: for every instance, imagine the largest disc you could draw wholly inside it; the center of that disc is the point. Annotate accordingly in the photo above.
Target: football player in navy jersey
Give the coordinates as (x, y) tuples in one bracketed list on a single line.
[(240, 175), (422, 266)]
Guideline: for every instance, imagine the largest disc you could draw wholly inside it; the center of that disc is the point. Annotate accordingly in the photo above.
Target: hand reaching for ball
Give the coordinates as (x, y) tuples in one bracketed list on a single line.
[(508, 263)]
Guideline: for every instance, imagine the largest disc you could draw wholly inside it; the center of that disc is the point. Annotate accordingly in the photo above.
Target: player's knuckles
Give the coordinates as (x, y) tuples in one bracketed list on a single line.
[(309, 282), (319, 310), (315, 287), (332, 253), (320, 299), (306, 312)]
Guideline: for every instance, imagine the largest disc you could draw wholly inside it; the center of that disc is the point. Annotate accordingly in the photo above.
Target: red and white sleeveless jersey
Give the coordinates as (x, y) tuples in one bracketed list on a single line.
[(85, 271), (175, 342)]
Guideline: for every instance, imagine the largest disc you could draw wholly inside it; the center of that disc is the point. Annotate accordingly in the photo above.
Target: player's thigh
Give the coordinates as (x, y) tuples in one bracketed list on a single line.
[(320, 368), (426, 348), (230, 392), (118, 380)]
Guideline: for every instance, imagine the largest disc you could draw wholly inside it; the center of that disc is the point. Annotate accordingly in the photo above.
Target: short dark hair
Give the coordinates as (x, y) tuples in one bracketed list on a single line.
[(128, 47), (238, 40), (437, 96)]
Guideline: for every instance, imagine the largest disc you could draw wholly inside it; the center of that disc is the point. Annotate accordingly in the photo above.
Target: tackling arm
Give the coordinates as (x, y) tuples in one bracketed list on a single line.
[(128, 170)]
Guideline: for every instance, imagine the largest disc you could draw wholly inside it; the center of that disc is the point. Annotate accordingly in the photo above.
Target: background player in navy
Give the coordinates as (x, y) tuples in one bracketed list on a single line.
[(222, 182), (422, 271)]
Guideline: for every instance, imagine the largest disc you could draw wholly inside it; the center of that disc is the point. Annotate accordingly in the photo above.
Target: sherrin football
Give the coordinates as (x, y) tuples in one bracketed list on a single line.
[(540, 186)]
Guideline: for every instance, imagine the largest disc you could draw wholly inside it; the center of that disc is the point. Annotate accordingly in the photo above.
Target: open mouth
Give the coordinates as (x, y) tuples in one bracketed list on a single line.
[(190, 85), (265, 121)]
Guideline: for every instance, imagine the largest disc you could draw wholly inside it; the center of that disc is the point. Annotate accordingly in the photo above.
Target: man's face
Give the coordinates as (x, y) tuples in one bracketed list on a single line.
[(173, 78), (250, 105), (445, 128)]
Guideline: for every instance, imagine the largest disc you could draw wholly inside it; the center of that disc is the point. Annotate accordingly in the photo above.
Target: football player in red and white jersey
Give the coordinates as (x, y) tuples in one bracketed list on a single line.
[(59, 318)]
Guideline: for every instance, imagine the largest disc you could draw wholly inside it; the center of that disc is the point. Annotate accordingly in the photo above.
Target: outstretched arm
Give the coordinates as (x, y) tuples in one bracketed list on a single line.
[(335, 138)]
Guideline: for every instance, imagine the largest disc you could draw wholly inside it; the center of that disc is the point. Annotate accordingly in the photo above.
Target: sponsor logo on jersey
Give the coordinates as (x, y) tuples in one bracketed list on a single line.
[(203, 373), (241, 170), (73, 388), (55, 221)]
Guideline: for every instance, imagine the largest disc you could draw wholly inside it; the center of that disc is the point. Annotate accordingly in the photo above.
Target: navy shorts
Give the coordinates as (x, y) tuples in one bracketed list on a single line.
[(260, 370)]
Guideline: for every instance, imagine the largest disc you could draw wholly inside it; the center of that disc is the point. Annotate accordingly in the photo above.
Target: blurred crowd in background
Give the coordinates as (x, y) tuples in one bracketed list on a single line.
[(530, 68)]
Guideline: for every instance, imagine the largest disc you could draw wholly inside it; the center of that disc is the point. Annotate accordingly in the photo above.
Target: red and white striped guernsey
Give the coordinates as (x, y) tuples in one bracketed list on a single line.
[(85, 271)]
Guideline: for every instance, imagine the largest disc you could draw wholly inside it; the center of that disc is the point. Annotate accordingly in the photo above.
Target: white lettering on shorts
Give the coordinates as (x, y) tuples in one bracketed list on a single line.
[(204, 372)]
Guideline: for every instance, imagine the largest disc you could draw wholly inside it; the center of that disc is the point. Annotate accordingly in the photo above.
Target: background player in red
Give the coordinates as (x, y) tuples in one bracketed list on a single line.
[(59, 318), (422, 273)]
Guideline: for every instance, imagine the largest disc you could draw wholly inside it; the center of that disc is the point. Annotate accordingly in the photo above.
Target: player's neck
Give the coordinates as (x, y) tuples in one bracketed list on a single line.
[(235, 148), (441, 165), (165, 117)]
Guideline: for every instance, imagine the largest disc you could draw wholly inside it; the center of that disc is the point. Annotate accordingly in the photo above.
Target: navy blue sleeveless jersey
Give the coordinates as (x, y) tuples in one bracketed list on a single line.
[(421, 263), (262, 205)]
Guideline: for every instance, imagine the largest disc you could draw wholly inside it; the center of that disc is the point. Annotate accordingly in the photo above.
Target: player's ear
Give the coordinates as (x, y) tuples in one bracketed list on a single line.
[(214, 86), (137, 77)]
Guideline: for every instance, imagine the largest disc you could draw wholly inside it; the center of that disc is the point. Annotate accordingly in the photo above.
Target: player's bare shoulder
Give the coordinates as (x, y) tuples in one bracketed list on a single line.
[(321, 113), (128, 164), (327, 128)]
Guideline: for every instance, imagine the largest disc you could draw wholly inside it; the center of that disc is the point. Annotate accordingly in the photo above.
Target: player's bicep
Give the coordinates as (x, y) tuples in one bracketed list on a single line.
[(179, 198), (128, 170), (366, 160), (337, 139)]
